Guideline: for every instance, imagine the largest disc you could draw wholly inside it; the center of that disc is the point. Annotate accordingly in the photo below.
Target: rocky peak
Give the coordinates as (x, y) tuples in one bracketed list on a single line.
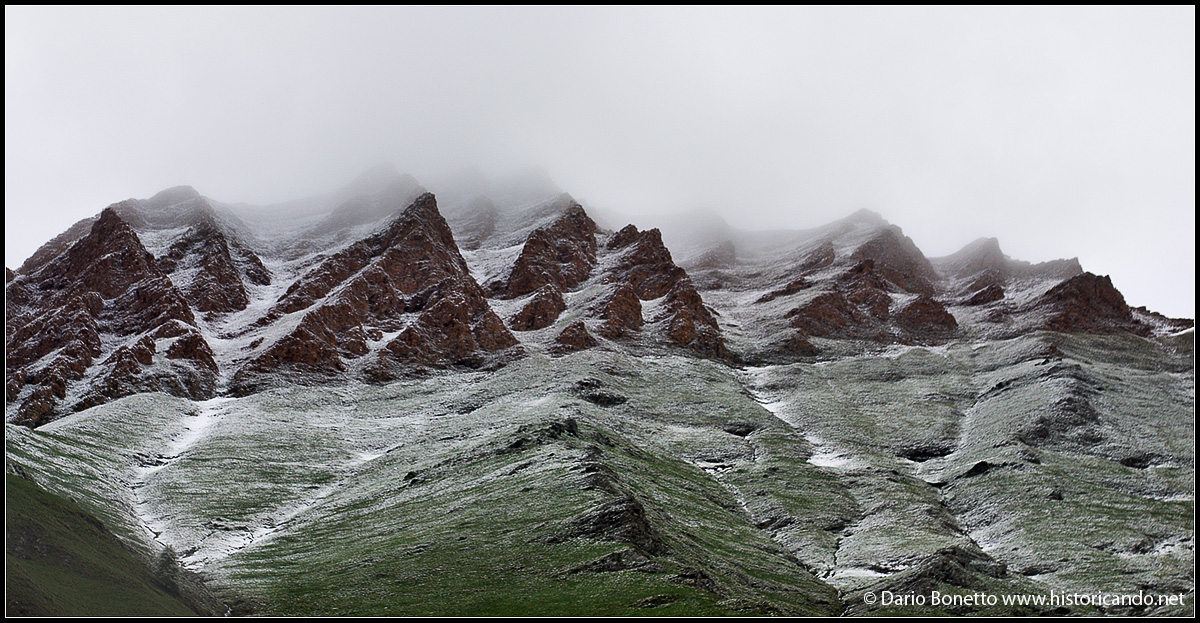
[(562, 254), (408, 277), (817, 259), (864, 216), (899, 260), (1088, 303), (107, 261), (982, 255), (541, 311), (645, 263), (643, 269), (209, 265), (105, 288), (573, 338)]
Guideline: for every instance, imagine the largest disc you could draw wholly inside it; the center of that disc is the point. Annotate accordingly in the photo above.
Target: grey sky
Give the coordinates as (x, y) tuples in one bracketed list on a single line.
[(1063, 132)]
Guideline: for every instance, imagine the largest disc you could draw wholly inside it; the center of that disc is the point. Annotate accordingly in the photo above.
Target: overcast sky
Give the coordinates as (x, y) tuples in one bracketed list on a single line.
[(1063, 132)]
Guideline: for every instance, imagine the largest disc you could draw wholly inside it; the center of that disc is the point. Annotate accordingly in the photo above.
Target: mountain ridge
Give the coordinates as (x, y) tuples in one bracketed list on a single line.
[(551, 417)]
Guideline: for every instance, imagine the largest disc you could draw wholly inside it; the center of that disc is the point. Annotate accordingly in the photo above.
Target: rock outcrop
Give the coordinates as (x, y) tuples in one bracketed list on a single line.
[(104, 288), (562, 254), (644, 270), (621, 312), (541, 311), (573, 338), (899, 261), (408, 279), (210, 267), (1088, 303)]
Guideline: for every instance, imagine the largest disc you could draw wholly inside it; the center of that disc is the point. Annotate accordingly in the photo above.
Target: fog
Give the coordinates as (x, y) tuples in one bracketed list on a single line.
[(1064, 132)]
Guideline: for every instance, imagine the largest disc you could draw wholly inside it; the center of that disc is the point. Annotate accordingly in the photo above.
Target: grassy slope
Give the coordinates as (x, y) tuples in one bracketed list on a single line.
[(457, 494), (61, 561)]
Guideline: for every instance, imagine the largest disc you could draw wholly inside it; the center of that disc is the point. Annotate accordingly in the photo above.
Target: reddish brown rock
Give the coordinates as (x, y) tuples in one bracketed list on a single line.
[(981, 256), (644, 270), (562, 254), (541, 311), (456, 329), (645, 264), (689, 322), (105, 283), (410, 267), (866, 288), (794, 286), (899, 261), (830, 315), (621, 311), (623, 238), (924, 318), (218, 264), (573, 338), (193, 347), (416, 250), (819, 258), (983, 296), (1088, 303), (798, 344), (987, 279)]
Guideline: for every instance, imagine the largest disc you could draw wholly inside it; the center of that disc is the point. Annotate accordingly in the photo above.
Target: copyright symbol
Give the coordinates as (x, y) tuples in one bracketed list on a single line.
[(868, 598)]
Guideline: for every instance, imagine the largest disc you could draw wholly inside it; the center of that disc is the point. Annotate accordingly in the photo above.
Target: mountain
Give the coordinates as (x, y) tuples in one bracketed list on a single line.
[(377, 401)]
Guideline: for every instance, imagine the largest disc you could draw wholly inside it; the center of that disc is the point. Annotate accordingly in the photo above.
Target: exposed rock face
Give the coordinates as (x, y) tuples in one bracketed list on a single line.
[(925, 317), (458, 328), (408, 277), (899, 261), (562, 254), (830, 315), (104, 284), (541, 311), (981, 256), (985, 295), (92, 315), (621, 311), (644, 269), (645, 263), (573, 338), (796, 285), (688, 322), (214, 282), (1088, 304), (819, 258)]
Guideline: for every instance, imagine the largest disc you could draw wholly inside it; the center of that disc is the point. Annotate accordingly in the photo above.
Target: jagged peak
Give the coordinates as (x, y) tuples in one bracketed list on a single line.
[(978, 256), (110, 223), (576, 215), (424, 206)]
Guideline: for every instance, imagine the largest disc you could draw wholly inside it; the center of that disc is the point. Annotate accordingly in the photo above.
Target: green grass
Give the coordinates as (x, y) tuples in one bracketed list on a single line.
[(62, 561)]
